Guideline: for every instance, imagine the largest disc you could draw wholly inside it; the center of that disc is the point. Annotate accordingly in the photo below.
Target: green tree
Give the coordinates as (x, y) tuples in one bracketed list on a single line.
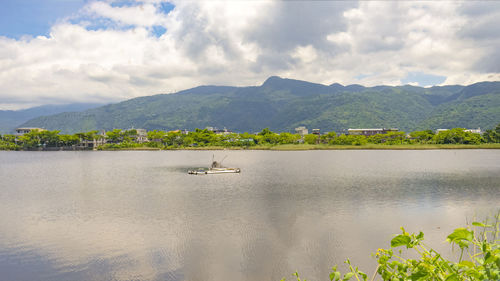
[(114, 136), (388, 138), (87, 136), (188, 140), (265, 131), (176, 139), (395, 138), (203, 137), (267, 136), (49, 138), (156, 136), (311, 138), (457, 136), (68, 140), (8, 142), (492, 136), (328, 137), (288, 138), (247, 139), (30, 140), (350, 140), (9, 138), (422, 136)]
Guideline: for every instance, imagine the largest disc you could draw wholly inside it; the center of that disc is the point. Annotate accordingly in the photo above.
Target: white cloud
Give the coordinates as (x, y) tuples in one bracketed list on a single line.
[(306, 54), (111, 52)]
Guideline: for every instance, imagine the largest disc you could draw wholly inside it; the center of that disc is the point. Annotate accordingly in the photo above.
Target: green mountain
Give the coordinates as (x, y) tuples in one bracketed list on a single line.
[(283, 104), (12, 119)]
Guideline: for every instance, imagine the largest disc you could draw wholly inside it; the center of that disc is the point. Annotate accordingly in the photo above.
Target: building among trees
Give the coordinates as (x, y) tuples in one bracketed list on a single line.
[(302, 131), (22, 131), (370, 132)]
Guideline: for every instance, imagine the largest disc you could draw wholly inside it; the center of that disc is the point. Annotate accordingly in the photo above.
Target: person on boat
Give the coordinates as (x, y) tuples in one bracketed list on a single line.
[(216, 164)]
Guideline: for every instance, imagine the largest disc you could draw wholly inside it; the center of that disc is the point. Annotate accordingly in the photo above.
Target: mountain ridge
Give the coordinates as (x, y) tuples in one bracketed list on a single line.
[(283, 104)]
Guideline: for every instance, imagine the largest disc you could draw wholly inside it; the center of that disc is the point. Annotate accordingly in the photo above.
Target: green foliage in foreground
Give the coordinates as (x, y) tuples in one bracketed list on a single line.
[(479, 258)]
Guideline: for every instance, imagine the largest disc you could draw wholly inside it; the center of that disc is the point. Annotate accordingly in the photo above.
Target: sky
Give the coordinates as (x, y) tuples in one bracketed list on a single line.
[(67, 51)]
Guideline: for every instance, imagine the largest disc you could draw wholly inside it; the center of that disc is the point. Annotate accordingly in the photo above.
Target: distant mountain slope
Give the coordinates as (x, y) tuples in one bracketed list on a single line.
[(11, 119), (479, 111), (283, 104)]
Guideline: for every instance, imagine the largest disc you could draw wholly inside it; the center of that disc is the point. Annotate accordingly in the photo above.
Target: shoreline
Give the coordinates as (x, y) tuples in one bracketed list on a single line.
[(306, 147), (349, 147)]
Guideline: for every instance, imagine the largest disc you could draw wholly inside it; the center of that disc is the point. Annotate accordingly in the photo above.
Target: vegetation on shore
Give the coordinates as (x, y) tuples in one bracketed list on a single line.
[(478, 246), (117, 139)]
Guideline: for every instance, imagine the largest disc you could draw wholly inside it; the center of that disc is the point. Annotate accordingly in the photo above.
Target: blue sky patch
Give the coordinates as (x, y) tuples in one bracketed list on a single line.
[(125, 3), (166, 7), (34, 17), (158, 30), (361, 76), (423, 79)]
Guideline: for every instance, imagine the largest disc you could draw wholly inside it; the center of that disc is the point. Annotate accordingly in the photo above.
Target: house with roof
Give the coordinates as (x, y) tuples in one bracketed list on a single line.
[(22, 131), (370, 132)]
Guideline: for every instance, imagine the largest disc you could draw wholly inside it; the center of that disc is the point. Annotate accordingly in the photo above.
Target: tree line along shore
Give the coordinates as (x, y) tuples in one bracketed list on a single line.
[(118, 139)]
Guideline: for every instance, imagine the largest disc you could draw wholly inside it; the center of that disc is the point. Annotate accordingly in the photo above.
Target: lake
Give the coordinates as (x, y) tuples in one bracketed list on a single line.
[(138, 215)]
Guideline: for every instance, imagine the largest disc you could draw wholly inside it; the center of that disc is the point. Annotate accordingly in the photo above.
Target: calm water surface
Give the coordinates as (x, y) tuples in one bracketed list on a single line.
[(140, 216)]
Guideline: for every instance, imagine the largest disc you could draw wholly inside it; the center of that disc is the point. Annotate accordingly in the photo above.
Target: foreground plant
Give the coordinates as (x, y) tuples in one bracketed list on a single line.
[(479, 258)]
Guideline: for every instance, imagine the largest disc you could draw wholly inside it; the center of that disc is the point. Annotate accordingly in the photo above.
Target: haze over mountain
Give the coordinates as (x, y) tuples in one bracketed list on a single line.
[(283, 104), (11, 119)]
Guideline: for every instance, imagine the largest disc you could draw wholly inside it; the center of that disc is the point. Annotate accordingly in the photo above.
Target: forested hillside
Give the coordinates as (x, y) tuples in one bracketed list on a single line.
[(283, 104)]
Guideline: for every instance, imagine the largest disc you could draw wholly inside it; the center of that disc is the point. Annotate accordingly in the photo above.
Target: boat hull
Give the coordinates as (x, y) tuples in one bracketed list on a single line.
[(215, 171)]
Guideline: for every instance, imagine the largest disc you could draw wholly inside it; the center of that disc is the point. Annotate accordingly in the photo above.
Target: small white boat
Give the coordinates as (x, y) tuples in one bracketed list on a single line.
[(215, 168), (214, 171)]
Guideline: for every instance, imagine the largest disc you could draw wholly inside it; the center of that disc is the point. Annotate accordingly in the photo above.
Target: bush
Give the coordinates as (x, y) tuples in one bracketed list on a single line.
[(349, 140), (114, 146), (4, 145), (457, 136), (479, 257)]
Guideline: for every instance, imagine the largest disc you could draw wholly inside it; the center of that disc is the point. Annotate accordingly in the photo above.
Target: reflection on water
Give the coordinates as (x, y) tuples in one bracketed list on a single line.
[(140, 216)]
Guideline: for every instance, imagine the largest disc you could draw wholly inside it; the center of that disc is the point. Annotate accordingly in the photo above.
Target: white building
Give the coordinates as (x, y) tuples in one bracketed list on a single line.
[(22, 131), (475, 131), (141, 135), (371, 132), (302, 131)]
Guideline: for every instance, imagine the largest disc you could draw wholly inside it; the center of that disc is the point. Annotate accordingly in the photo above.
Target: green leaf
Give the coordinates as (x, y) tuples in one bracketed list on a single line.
[(400, 240), (418, 275), (335, 276), (463, 244), (420, 236), (480, 224), (363, 275), (468, 264), (452, 277), (348, 276), (460, 234), (489, 258)]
